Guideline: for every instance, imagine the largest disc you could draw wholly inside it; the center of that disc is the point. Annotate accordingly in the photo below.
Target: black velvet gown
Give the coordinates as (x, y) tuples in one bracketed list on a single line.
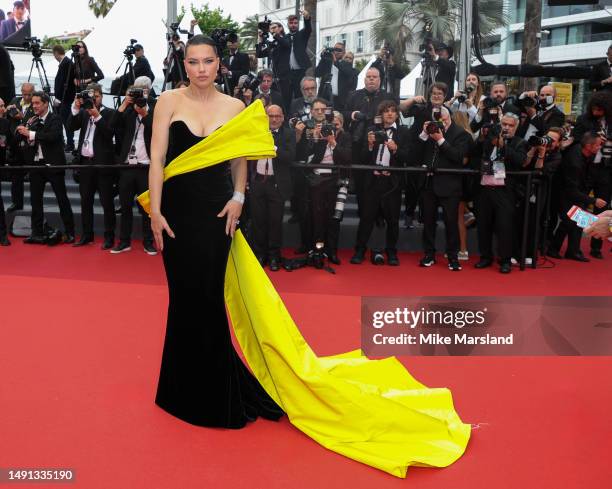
[(202, 380)]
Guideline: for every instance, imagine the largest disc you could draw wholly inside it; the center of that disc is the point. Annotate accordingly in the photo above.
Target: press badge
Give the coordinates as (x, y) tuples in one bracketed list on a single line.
[(2, 141), (132, 160), (499, 169)]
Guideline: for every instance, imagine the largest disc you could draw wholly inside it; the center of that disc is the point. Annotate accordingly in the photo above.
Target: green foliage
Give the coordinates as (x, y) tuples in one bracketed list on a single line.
[(49, 42), (248, 32), (101, 7), (209, 20)]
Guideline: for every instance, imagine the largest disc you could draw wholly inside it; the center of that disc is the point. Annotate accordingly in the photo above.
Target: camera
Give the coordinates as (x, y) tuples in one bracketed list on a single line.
[(387, 50), (425, 48), (343, 185), (490, 103), (540, 141), (327, 53), (12, 112), (300, 117), (129, 51), (328, 128), (222, 37), (86, 97), (75, 49), (360, 116), (436, 125), (251, 82), (526, 102), (138, 96), (380, 135), (33, 44), (264, 25), (465, 93)]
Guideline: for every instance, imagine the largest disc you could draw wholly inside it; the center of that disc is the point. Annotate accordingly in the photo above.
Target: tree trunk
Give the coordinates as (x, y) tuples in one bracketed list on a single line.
[(311, 7), (531, 40)]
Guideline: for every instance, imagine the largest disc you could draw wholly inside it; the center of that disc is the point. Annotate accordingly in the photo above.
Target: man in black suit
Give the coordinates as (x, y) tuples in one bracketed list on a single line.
[(446, 67), (134, 120), (303, 104), (278, 51), (577, 171), (269, 188), (601, 76), (17, 22), (387, 145), (299, 60), (390, 73), (95, 148), (64, 91), (498, 97), (542, 116), (43, 135), (235, 64), (23, 113), (503, 151), (441, 147), (142, 66), (337, 76), (266, 80)]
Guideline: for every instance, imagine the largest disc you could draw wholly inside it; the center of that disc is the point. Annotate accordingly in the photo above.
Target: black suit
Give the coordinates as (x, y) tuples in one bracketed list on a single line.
[(238, 66), (446, 74), (93, 179), (299, 44), (443, 190), (486, 119), (275, 98), (49, 137), (495, 205), (7, 75), (297, 107), (347, 81), (543, 121), (143, 68), (18, 148), (267, 196), (577, 174), (395, 75), (64, 90), (5, 140), (383, 192), (600, 72), (279, 55), (133, 181)]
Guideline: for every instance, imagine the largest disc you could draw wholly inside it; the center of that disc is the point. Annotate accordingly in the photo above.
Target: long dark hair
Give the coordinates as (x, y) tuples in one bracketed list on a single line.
[(86, 62), (603, 100), (200, 40)]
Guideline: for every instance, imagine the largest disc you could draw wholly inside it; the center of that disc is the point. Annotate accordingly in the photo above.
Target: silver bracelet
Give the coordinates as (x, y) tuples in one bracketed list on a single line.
[(238, 197)]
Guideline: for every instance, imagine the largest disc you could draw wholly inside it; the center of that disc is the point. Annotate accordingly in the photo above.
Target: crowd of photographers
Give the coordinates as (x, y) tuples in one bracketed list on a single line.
[(330, 127)]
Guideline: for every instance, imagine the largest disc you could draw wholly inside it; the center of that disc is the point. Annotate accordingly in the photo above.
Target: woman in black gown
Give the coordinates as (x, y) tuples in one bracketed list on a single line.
[(202, 379)]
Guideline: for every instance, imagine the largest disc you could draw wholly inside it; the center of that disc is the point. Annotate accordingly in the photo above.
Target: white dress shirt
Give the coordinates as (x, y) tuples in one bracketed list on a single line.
[(87, 148)]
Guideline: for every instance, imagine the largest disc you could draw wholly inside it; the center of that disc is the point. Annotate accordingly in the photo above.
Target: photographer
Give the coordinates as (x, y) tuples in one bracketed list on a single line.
[(441, 144), (5, 141), (337, 76), (95, 148), (601, 78), (278, 52), (236, 64), (503, 151), (390, 73), (467, 100), (387, 146), (544, 155), (326, 144), (18, 111), (64, 92), (266, 78), (269, 188), (303, 104), (134, 121), (361, 107), (440, 53), (43, 135), (576, 170), (142, 66), (498, 97), (541, 111), (299, 61), (175, 61), (598, 119), (86, 70)]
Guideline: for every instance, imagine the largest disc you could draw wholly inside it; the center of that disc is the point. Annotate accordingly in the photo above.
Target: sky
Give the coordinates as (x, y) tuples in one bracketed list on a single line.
[(53, 17)]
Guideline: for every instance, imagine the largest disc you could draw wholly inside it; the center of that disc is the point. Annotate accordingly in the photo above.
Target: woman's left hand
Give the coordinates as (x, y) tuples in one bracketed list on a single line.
[(232, 209)]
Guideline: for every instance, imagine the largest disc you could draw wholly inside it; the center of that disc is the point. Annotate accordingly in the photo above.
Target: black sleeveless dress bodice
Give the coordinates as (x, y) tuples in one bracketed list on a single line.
[(202, 379)]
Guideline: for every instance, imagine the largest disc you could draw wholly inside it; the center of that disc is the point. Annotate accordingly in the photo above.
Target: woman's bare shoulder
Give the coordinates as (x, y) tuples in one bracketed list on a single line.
[(231, 106)]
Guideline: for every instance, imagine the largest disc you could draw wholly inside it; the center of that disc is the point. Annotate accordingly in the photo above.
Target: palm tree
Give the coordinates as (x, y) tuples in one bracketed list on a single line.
[(101, 7), (403, 23), (248, 32)]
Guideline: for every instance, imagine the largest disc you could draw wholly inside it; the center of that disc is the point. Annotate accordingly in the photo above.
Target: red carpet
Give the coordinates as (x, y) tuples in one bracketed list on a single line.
[(80, 345)]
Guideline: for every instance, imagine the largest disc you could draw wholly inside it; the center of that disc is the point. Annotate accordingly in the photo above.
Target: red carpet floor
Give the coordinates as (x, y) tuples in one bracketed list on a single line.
[(81, 333)]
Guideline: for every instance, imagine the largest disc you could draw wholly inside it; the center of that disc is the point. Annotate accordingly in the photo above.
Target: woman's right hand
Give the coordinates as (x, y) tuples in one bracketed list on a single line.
[(158, 226)]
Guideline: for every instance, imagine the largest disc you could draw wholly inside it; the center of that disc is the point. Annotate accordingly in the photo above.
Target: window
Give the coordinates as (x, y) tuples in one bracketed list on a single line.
[(359, 42), (328, 17), (342, 38), (328, 41), (277, 4)]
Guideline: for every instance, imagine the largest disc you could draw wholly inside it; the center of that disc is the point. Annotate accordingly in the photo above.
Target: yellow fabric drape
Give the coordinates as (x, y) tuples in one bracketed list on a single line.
[(246, 135), (372, 411)]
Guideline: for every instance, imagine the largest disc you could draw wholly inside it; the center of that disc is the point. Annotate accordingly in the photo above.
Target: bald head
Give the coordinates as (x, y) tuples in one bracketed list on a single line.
[(275, 115)]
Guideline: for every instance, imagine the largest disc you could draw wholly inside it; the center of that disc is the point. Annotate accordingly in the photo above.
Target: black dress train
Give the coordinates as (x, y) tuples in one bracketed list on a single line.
[(202, 379)]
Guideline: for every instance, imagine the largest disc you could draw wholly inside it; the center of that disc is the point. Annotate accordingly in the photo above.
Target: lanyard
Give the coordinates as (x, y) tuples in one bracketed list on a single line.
[(89, 127), (133, 145)]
